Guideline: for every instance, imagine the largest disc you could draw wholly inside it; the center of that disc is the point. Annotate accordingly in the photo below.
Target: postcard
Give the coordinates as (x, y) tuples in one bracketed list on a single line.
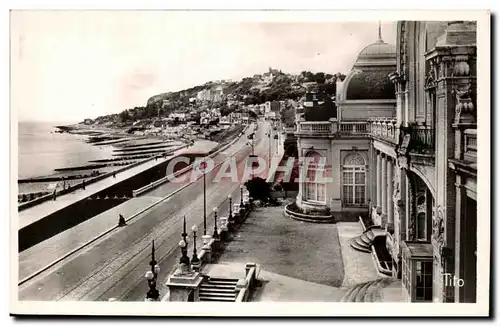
[(250, 163)]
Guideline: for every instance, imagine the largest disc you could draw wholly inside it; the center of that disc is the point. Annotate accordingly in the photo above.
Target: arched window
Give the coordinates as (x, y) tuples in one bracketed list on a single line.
[(315, 188), (354, 180)]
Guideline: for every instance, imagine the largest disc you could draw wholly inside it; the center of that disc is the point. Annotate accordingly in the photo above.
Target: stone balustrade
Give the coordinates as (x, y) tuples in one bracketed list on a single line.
[(354, 128), (385, 128), (245, 286), (332, 127), (315, 127), (182, 284), (470, 144)]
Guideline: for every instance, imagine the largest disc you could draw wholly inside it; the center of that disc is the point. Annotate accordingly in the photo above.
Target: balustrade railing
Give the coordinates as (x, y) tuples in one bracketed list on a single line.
[(353, 127), (315, 127), (384, 128), (470, 144), (422, 139)]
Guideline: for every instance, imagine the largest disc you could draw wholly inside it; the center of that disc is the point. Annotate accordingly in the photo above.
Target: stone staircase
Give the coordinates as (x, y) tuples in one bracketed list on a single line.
[(373, 291), (218, 289), (364, 241)]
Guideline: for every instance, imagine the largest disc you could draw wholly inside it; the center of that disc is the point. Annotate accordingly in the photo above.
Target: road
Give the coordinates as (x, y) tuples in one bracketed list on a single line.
[(115, 265)]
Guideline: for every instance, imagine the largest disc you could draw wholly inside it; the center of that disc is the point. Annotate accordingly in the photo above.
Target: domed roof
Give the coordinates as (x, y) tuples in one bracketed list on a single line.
[(379, 48), (377, 54), (371, 84)]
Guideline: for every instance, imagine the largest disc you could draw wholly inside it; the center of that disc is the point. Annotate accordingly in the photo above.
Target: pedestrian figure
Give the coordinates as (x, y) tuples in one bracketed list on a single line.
[(114, 175), (54, 194), (121, 221), (83, 184)]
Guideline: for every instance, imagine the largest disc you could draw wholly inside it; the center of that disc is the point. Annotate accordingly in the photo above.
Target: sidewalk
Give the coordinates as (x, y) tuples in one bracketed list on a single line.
[(37, 212), (297, 261), (358, 266), (44, 253)]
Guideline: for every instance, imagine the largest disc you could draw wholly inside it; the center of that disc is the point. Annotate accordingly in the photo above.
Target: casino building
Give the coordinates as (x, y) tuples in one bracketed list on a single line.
[(399, 145)]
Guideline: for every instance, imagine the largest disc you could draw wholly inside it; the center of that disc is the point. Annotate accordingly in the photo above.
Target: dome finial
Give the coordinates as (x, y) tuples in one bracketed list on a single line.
[(379, 33)]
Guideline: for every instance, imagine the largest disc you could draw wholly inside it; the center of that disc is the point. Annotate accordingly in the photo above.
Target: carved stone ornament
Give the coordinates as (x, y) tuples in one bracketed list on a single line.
[(403, 162), (438, 228), (431, 77), (183, 269)]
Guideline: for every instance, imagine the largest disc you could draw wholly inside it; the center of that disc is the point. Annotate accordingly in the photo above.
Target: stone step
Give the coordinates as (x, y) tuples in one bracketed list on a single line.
[(217, 294), (347, 294), (365, 239), (362, 244), (221, 284), (203, 298), (359, 247), (217, 289), (370, 235), (223, 280), (354, 293), (372, 289), (360, 296)]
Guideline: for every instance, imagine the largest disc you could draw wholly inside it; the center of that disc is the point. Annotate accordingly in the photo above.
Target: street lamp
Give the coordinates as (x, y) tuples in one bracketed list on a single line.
[(216, 234), (152, 275), (276, 137), (184, 258), (195, 259), (203, 166), (269, 143), (230, 218)]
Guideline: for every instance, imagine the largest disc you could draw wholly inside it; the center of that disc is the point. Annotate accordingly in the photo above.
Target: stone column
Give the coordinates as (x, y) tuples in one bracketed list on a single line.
[(459, 263), (379, 182), (390, 203), (383, 182)]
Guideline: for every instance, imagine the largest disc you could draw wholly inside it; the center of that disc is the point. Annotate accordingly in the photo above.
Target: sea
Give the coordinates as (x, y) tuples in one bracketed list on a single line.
[(41, 149)]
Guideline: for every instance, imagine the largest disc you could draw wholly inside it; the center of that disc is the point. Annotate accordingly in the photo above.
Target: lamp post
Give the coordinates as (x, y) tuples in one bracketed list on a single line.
[(203, 166), (152, 275), (269, 143), (276, 137), (230, 218), (184, 258), (216, 234), (194, 260)]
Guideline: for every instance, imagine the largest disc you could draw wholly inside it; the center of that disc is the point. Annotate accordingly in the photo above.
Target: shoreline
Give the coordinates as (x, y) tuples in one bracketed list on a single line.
[(133, 149)]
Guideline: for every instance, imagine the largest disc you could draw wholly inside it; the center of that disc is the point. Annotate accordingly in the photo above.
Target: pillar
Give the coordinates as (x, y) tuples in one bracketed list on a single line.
[(390, 205), (383, 182), (379, 181)]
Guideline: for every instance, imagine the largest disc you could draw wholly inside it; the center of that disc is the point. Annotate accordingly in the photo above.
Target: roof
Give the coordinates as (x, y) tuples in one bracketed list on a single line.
[(379, 48), (371, 84), (377, 54), (418, 249)]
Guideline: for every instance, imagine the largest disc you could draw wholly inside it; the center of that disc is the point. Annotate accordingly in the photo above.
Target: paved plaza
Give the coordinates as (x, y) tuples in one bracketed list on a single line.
[(297, 261)]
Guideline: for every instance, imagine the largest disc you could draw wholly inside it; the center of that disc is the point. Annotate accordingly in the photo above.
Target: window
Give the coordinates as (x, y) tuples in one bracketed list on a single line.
[(315, 188), (423, 282), (421, 227), (354, 180)]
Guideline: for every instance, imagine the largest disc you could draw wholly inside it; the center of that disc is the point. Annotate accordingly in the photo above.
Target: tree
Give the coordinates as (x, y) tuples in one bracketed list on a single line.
[(259, 189), (319, 78)]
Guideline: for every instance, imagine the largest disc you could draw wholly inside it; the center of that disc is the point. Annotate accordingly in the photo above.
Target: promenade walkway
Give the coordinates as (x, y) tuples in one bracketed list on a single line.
[(358, 266), (37, 212), (297, 261), (113, 266)]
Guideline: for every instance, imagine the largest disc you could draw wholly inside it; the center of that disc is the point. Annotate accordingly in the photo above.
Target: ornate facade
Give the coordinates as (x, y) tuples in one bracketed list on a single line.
[(408, 160)]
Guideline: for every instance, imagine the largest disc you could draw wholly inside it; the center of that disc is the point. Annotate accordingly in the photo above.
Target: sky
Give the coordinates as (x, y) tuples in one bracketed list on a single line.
[(71, 65)]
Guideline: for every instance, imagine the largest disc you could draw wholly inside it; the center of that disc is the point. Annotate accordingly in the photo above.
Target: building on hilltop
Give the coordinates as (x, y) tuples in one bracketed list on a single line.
[(401, 153)]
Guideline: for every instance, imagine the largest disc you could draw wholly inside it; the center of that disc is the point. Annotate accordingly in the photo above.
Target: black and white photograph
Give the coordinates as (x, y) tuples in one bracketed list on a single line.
[(250, 163)]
